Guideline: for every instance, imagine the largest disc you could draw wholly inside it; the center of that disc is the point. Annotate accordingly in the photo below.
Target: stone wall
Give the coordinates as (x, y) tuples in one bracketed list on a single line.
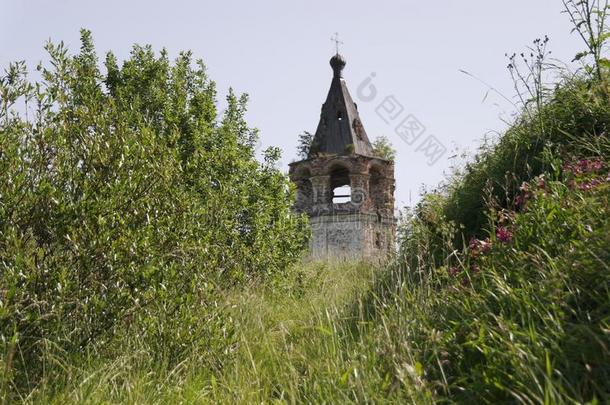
[(351, 236), (364, 227)]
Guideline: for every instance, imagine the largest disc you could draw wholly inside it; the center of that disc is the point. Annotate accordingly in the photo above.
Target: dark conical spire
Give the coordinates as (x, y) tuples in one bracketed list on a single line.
[(340, 129)]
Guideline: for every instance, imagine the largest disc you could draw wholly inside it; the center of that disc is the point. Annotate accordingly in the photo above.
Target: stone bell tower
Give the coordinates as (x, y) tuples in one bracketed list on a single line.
[(347, 191)]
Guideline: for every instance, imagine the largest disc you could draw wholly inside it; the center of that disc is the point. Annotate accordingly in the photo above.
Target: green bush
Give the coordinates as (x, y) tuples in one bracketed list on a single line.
[(125, 204), (578, 108), (522, 315), (506, 265)]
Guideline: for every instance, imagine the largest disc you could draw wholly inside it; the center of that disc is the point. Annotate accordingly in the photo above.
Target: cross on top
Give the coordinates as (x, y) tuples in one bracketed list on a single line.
[(335, 39)]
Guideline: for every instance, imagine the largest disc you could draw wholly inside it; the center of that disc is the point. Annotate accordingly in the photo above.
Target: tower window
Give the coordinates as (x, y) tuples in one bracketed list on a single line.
[(340, 185)]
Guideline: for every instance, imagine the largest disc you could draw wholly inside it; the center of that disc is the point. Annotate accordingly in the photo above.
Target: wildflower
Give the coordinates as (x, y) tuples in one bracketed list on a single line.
[(479, 246), (474, 243), (519, 200), (453, 271), (596, 165), (474, 268), (485, 245), (541, 182), (583, 165), (589, 185), (525, 187), (504, 235)]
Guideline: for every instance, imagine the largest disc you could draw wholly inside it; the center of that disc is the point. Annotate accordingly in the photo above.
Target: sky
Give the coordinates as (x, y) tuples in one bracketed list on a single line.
[(405, 61)]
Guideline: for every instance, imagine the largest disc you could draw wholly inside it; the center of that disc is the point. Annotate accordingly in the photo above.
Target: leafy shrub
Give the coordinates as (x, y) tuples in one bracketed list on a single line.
[(578, 108), (521, 315), (506, 265), (125, 203), (383, 148)]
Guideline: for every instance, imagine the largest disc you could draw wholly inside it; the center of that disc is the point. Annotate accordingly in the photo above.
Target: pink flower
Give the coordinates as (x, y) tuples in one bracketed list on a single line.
[(596, 165), (589, 185), (485, 245), (479, 246), (583, 165), (525, 187), (504, 235), (519, 200), (541, 182)]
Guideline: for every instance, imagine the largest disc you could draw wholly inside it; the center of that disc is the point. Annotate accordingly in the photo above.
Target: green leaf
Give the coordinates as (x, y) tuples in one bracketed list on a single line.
[(419, 369), (579, 56), (605, 63)]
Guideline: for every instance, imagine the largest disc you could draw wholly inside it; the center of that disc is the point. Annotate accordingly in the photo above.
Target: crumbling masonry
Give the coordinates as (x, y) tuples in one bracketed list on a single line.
[(341, 157)]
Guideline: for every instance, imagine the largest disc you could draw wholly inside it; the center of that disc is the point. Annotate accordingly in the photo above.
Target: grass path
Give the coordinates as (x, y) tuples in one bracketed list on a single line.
[(313, 343)]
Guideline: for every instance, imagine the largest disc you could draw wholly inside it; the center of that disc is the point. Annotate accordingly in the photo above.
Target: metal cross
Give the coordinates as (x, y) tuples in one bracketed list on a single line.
[(335, 39)]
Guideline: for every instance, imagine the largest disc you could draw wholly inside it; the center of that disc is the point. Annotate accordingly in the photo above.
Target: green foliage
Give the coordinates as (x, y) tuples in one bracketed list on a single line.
[(125, 204), (589, 20), (523, 320), (382, 147), (577, 109), (519, 319), (523, 315), (304, 145), (520, 314), (507, 263), (550, 119)]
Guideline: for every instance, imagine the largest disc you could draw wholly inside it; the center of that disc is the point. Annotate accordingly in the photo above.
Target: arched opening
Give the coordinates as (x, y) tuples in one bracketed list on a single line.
[(376, 188), (340, 185)]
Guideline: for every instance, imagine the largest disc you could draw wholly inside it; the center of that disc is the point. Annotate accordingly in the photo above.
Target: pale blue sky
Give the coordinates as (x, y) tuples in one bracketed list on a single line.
[(278, 52)]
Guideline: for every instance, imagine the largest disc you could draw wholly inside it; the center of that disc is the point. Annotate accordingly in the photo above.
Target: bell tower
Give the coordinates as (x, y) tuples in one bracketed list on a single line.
[(347, 191)]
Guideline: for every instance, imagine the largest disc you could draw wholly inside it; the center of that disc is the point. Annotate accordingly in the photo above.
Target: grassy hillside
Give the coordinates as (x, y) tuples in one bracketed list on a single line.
[(520, 315), (523, 316)]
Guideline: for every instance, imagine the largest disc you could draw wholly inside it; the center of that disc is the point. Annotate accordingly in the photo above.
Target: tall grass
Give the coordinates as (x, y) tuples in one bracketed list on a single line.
[(519, 315), (303, 340), (526, 319)]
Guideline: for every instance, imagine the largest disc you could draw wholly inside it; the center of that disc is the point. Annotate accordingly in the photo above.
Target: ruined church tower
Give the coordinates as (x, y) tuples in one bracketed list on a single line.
[(347, 191)]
